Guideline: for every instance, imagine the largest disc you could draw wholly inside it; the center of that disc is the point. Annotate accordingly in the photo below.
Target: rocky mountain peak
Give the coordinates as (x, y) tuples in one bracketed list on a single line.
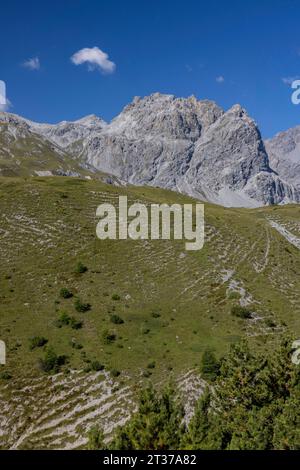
[(284, 155), (165, 116), (91, 120), (184, 144)]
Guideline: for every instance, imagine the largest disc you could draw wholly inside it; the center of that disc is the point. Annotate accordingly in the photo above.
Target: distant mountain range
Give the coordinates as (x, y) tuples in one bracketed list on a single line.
[(183, 144)]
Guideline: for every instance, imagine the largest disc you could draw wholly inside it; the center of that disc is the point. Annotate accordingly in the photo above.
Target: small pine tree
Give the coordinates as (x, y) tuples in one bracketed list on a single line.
[(241, 312), (199, 425), (80, 268), (65, 293), (108, 337), (81, 306), (209, 366), (116, 319), (95, 439), (52, 362), (37, 342), (157, 425)]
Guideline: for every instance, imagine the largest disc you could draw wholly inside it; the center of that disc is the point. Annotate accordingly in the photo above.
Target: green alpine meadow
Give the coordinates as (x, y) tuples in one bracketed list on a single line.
[(89, 324), (150, 233)]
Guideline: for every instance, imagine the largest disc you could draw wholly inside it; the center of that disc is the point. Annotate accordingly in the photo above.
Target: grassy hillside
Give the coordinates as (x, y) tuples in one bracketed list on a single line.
[(24, 153), (173, 303)]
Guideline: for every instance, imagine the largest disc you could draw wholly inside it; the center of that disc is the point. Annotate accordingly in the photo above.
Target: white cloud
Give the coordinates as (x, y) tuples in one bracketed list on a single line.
[(289, 80), (220, 79), (32, 64), (95, 58)]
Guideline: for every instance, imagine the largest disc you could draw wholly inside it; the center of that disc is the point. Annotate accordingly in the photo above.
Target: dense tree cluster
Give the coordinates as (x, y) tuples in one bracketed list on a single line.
[(252, 404)]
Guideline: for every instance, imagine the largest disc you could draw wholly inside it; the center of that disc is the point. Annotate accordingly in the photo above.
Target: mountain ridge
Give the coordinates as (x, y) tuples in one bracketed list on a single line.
[(183, 144)]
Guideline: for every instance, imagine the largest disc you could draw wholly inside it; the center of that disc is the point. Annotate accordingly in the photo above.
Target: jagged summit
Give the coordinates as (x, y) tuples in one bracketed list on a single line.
[(185, 144), (90, 119), (167, 116), (284, 155)]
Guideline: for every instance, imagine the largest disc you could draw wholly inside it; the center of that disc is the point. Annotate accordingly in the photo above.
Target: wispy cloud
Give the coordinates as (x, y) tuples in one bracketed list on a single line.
[(220, 79), (289, 80), (32, 64), (95, 59)]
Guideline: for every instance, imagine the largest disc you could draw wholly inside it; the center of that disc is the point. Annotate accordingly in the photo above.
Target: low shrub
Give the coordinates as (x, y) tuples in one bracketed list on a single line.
[(241, 312), (76, 345), (270, 323), (81, 307), (151, 365), (65, 293), (115, 372), (155, 314), (233, 295), (37, 342), (75, 324), (80, 268), (116, 297), (97, 366), (116, 319), (108, 337), (66, 320), (63, 320), (145, 330), (5, 376), (52, 362), (146, 374)]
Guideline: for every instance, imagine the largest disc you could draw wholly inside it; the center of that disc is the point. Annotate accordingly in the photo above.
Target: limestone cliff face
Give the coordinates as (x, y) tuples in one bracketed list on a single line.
[(284, 155), (190, 146)]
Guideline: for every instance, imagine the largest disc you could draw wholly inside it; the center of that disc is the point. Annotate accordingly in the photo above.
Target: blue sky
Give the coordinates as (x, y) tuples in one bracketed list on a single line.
[(230, 51)]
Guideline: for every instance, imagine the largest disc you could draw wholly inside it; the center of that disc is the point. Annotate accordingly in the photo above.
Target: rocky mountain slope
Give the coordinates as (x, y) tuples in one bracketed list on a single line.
[(70, 136), (24, 152), (26, 149), (183, 144), (193, 147), (284, 155)]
